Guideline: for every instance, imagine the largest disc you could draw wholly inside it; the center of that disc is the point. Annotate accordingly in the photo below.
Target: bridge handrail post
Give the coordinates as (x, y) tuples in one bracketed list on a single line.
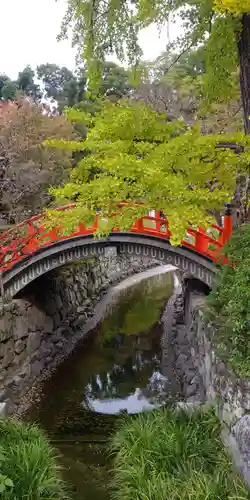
[(158, 222), (227, 223), (201, 241), (139, 225)]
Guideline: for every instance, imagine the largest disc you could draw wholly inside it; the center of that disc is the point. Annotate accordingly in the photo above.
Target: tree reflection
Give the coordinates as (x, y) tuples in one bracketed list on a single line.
[(138, 309), (130, 345), (130, 371)]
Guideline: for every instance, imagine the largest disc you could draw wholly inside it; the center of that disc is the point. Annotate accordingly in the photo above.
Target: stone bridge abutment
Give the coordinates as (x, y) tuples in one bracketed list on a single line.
[(46, 319)]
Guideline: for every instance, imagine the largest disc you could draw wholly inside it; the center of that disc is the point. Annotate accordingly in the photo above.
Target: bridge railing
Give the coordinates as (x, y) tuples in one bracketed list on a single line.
[(29, 236)]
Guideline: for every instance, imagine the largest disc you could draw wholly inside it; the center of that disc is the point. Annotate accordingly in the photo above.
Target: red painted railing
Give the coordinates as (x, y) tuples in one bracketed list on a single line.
[(29, 236)]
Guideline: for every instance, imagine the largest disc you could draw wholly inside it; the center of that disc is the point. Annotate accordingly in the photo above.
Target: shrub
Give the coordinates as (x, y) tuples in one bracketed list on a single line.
[(28, 167), (229, 304), (28, 463), (169, 454)]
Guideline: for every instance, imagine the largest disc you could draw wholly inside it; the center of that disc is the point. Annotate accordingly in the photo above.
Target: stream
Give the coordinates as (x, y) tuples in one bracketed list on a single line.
[(118, 368)]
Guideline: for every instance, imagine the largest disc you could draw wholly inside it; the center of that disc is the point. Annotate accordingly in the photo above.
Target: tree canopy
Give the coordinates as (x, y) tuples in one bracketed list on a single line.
[(24, 85), (222, 26), (236, 7), (175, 85), (27, 167), (137, 155), (64, 87), (174, 166), (149, 147)]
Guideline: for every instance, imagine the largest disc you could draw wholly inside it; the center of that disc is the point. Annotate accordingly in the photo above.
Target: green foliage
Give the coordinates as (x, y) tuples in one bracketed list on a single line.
[(24, 85), (8, 89), (95, 25), (139, 156), (170, 454), (66, 88), (5, 481), (229, 304), (60, 84), (101, 28), (234, 7), (28, 465), (219, 84), (115, 81)]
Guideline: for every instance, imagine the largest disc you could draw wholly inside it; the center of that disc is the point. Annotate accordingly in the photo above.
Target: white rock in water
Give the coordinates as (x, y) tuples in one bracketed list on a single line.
[(3, 409), (157, 381)]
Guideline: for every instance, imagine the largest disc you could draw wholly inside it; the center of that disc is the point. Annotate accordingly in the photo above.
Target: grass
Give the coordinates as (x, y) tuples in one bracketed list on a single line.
[(169, 455), (28, 461)]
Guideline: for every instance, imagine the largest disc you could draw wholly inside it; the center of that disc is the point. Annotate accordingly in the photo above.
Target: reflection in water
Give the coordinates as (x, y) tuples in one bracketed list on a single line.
[(142, 399), (132, 404), (117, 369), (134, 381)]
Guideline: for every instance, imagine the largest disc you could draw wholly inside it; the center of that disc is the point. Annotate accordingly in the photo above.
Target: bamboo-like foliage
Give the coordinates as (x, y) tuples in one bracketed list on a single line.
[(168, 454)]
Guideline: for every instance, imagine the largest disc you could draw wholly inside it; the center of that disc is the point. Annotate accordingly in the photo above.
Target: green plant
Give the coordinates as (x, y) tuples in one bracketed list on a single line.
[(5, 481), (138, 156), (222, 26), (28, 464), (228, 305), (169, 454)]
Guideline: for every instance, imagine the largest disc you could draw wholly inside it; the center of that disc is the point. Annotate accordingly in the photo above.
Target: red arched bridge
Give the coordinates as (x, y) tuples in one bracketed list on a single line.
[(29, 250)]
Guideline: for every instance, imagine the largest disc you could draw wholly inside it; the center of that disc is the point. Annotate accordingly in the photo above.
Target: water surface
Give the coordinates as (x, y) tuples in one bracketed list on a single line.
[(119, 368)]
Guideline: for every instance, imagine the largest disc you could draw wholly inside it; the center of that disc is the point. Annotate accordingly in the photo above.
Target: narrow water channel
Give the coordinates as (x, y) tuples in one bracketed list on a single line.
[(119, 368)]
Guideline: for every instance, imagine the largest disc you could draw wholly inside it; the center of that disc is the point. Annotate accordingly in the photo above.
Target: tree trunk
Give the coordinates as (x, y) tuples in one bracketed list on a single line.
[(244, 60)]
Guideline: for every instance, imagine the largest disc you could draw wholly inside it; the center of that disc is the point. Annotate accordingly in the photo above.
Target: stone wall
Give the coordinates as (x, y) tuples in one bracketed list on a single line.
[(229, 394), (42, 326), (176, 336), (202, 375)]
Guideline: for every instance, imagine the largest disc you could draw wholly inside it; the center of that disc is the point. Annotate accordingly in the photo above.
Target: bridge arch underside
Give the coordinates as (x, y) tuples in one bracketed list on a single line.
[(67, 251)]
